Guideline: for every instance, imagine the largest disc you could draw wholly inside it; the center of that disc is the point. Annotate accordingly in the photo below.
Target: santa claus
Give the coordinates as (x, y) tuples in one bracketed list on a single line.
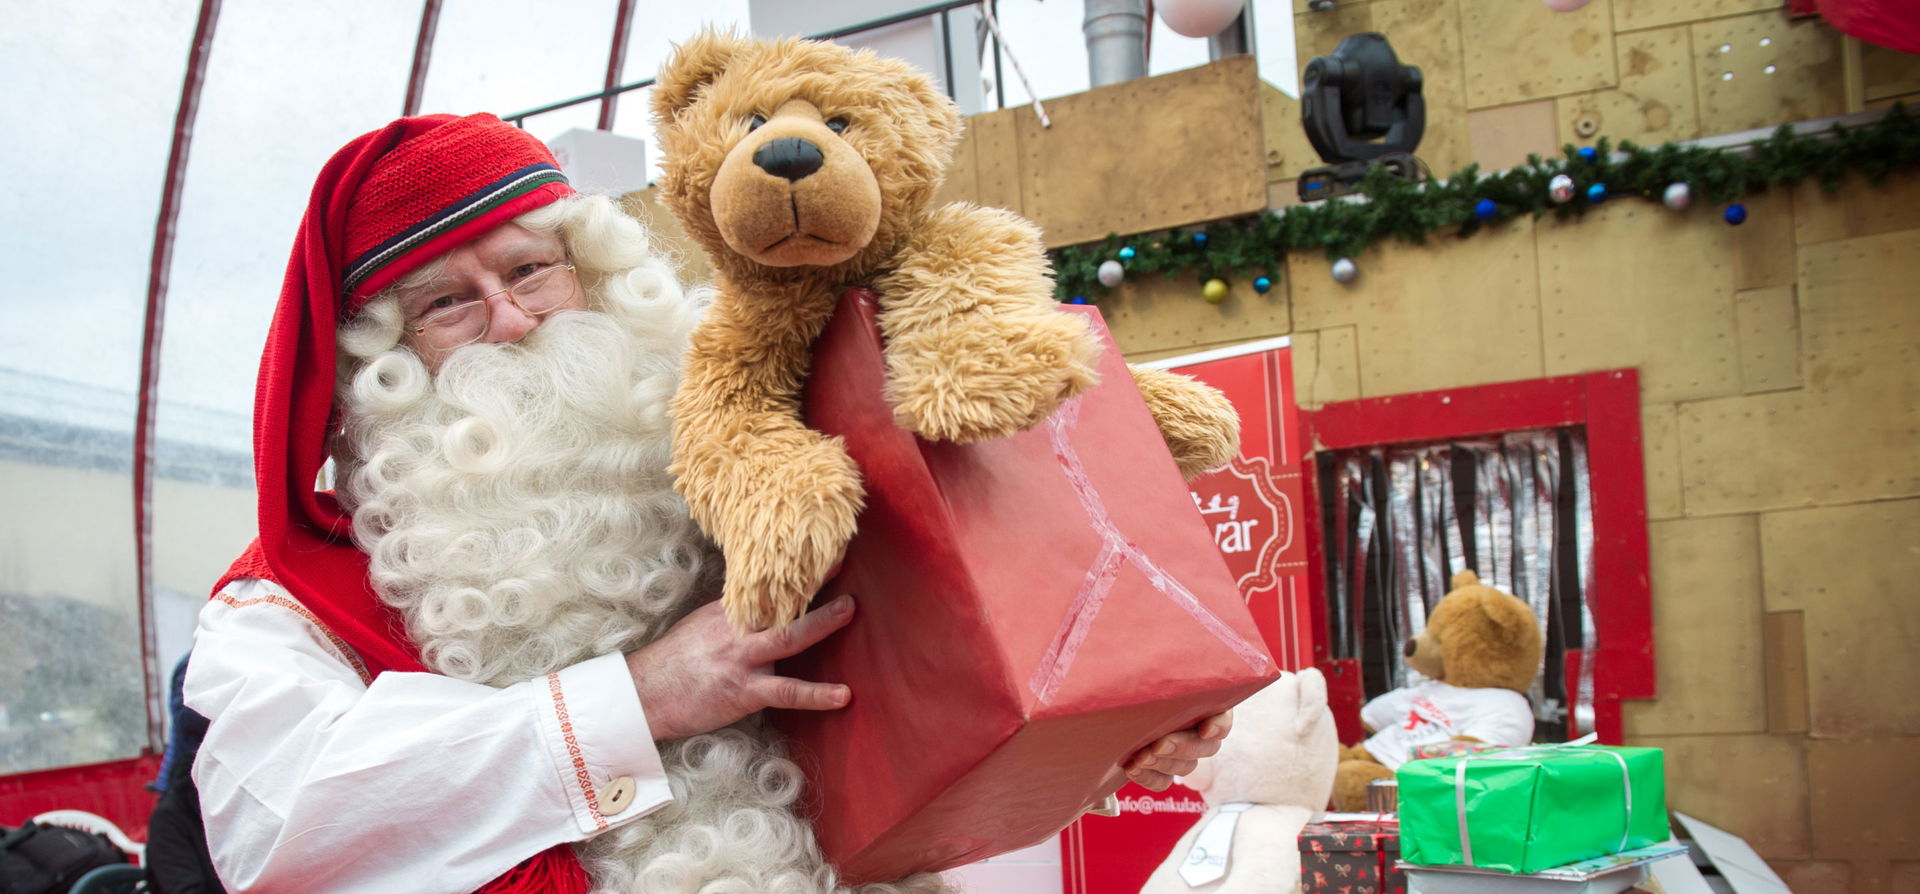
[(490, 658)]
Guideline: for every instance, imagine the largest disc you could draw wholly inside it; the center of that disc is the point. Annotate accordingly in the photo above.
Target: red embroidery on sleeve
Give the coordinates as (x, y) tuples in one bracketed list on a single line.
[(573, 748), (339, 644)]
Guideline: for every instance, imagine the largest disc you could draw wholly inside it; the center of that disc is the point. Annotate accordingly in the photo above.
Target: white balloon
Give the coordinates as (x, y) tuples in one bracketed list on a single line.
[(1111, 273), (1198, 18)]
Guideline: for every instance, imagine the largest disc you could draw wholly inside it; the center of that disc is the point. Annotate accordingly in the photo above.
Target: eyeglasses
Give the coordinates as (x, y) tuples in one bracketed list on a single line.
[(466, 321)]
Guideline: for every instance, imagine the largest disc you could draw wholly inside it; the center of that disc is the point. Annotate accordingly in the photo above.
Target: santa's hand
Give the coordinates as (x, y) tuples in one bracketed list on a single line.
[(703, 675), (1176, 754)]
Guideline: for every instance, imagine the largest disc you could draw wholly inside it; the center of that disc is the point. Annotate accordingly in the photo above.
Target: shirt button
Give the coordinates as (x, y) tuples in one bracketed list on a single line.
[(617, 796)]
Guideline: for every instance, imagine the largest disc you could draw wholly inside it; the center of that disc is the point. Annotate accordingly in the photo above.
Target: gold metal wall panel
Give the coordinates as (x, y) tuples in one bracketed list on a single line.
[(1851, 571), (1659, 439), (1866, 801), (1633, 15), (1503, 136), (1763, 246), (1754, 786), (1325, 367), (1858, 295), (1786, 664), (1453, 312), (1655, 100), (1528, 51), (1769, 339), (1147, 154), (1288, 150), (1848, 435), (1857, 208), (1762, 70), (1634, 284), (996, 157), (1167, 315), (1424, 33), (668, 237), (1888, 73), (1706, 576)]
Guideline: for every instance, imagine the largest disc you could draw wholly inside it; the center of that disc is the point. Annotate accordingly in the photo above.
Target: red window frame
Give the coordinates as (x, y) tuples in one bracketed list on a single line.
[(1607, 404)]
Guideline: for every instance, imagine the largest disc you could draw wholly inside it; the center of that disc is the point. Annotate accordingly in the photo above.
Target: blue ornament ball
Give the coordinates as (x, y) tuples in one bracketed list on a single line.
[(1262, 284), (1077, 299), (1485, 209), (1597, 193), (1736, 214), (1588, 153), (1200, 239), (1126, 253)]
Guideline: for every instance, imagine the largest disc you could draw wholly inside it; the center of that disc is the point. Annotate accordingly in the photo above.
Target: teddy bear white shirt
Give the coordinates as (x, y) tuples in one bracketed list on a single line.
[(1434, 712), (313, 778)]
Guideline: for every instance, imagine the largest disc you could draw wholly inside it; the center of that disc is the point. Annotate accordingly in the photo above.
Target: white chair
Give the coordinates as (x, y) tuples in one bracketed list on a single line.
[(93, 822)]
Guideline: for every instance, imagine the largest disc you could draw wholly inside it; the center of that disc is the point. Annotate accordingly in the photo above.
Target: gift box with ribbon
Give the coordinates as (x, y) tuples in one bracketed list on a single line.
[(1533, 808), (1351, 858), (1033, 609)]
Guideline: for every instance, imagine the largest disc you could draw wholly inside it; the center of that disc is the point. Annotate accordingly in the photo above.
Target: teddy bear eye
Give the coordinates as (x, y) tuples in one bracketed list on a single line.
[(837, 125), (754, 122)]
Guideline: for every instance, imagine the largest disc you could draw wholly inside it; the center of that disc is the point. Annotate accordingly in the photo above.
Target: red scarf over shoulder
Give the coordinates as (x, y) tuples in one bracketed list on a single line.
[(386, 203)]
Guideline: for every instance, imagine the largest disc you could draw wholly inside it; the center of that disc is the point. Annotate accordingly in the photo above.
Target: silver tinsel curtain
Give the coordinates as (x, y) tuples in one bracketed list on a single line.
[(1403, 519)]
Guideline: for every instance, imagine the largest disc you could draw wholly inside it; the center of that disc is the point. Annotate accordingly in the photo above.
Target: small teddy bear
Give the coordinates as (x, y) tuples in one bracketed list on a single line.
[(1270, 778), (1480, 652), (804, 168)]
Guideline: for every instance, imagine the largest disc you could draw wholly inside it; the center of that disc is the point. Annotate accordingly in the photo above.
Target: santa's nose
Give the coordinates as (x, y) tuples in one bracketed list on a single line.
[(789, 157)]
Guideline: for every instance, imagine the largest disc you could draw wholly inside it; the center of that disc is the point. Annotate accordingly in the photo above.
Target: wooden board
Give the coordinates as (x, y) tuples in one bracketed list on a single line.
[(1634, 284), (1848, 435), (1850, 570), (1660, 437), (1865, 799), (1453, 312), (1706, 577), (1887, 73), (1736, 89), (1157, 314), (1325, 367), (686, 255), (1633, 15), (1786, 664), (1424, 34), (1503, 136), (1857, 208), (1098, 170), (1769, 339), (1654, 102), (996, 141), (1754, 786), (1857, 295), (1527, 51)]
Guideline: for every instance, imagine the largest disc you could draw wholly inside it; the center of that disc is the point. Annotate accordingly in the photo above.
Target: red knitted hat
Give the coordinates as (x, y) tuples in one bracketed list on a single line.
[(388, 202)]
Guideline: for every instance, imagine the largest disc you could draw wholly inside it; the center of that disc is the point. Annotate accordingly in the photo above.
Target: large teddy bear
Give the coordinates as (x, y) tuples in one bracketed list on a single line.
[(1479, 652), (804, 168), (1269, 779)]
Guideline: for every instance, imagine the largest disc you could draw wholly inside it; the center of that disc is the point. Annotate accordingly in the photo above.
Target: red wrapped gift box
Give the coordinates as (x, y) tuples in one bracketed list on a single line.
[(1033, 610), (1351, 858)]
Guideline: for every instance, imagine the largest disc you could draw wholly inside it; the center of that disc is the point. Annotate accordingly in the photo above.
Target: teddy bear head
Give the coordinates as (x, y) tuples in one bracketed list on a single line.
[(1478, 638), (1283, 749), (795, 153)]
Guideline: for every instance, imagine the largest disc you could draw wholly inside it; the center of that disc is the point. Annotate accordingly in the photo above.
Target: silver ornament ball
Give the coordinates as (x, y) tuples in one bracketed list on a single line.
[(1344, 270), (1678, 196), (1111, 273), (1560, 188)]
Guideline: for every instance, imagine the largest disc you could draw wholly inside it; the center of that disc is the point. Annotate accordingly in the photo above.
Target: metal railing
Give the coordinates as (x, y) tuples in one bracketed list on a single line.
[(519, 119)]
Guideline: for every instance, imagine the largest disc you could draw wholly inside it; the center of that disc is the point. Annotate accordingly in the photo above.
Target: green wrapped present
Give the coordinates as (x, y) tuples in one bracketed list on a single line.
[(1533, 808)]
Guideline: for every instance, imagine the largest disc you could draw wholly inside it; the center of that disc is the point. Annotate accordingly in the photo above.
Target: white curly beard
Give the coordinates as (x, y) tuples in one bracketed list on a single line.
[(518, 512)]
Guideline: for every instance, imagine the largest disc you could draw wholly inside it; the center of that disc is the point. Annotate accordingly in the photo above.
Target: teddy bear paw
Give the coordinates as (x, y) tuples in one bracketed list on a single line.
[(788, 538), (980, 377)]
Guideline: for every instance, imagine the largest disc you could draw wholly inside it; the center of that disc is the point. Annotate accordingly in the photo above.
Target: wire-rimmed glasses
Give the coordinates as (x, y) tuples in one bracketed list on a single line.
[(466, 321)]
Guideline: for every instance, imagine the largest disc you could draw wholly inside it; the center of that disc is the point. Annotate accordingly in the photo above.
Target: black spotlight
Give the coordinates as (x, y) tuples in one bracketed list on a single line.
[(1362, 109)]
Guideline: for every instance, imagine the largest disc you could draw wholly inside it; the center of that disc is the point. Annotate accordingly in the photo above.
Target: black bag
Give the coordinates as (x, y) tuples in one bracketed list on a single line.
[(49, 859)]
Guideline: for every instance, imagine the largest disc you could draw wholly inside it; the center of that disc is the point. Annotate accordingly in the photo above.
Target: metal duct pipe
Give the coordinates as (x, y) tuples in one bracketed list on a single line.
[(1116, 33), (1232, 40)]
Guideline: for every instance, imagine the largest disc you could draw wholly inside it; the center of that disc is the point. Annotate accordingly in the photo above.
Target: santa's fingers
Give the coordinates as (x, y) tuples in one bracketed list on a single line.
[(1152, 780), (798, 695), (769, 646)]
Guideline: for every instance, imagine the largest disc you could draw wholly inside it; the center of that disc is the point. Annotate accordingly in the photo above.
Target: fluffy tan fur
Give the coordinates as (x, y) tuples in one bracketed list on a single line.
[(1476, 638), (975, 347)]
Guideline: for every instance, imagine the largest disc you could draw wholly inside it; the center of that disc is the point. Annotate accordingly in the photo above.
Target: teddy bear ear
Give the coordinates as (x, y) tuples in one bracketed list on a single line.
[(693, 65), (1313, 700), (1465, 579)]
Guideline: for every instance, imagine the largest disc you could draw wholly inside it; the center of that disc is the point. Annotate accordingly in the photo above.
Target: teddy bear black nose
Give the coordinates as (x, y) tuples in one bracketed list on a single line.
[(789, 157), (1412, 647)]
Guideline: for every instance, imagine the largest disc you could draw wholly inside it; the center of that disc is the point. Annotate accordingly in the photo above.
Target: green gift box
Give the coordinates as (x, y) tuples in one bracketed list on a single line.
[(1534, 808)]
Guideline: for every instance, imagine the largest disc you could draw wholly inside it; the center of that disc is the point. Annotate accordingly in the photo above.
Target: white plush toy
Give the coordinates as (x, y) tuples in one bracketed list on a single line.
[(1273, 774)]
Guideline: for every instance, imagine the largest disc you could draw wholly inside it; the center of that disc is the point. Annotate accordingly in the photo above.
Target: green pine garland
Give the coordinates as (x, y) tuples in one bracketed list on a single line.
[(1256, 245)]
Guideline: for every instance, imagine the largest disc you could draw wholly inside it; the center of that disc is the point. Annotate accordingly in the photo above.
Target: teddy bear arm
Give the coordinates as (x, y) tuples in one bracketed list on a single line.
[(976, 348), (1199, 425)]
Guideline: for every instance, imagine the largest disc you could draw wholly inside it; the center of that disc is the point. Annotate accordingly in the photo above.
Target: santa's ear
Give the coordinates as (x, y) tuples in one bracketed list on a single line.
[(694, 64)]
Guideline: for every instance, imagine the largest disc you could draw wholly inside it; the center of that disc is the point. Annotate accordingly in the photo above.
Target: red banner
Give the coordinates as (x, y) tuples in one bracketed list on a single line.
[(1255, 508)]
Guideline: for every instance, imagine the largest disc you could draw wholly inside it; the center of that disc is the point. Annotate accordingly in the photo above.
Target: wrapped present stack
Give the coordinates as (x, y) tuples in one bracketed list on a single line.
[(1525, 810), (1351, 858)]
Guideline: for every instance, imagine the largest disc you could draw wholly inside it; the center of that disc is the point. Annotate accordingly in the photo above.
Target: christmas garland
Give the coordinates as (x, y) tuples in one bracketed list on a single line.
[(1255, 246)]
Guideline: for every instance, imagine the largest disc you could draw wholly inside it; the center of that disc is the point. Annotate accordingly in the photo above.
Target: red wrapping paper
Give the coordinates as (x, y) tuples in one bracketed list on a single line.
[(1033, 610)]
